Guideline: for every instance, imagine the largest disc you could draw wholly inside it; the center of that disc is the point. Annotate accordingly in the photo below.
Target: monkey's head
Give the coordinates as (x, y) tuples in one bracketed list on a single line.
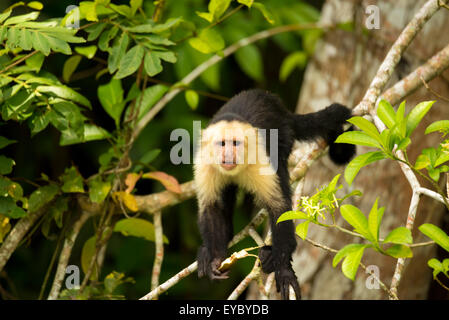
[(230, 146)]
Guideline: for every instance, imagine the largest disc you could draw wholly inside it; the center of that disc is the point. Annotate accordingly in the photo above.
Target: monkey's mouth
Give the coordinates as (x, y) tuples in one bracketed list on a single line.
[(228, 166)]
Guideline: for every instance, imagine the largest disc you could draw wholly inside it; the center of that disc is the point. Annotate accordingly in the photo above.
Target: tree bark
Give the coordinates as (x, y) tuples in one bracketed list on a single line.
[(340, 71)]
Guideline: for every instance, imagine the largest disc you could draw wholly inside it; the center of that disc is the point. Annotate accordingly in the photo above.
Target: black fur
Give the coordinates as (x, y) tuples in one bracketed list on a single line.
[(264, 110)]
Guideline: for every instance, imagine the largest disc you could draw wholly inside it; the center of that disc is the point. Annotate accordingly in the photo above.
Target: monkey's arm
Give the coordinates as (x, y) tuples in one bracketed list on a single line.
[(215, 224)]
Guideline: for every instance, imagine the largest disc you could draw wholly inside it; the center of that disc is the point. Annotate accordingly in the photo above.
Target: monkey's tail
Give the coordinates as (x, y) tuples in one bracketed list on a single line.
[(340, 153), (328, 124)]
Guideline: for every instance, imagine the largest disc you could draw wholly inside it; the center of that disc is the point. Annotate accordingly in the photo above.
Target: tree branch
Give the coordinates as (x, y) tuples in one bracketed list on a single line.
[(159, 250), (394, 55), (65, 255)]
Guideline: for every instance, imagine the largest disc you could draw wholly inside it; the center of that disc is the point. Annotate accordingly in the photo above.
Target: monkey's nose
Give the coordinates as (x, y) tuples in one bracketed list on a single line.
[(228, 166)]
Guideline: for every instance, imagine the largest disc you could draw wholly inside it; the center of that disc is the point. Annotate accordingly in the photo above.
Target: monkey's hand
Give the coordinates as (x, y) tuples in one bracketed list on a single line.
[(209, 265), (286, 277), (266, 259)]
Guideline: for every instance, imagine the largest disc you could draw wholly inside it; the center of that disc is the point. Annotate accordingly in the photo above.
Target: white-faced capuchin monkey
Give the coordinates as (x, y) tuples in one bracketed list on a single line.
[(235, 151)]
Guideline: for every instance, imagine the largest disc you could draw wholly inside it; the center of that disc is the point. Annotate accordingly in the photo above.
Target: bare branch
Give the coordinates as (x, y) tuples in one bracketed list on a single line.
[(15, 236), (65, 255), (393, 57), (159, 250), (254, 274)]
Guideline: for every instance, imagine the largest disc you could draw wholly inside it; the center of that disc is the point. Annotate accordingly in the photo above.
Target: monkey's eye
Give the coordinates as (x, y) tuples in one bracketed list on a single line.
[(221, 143), (236, 143)]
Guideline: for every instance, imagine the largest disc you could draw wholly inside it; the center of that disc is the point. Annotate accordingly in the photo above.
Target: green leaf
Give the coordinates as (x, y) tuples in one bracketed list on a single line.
[(6, 165), (292, 61), (4, 142), (130, 62), (343, 252), (218, 7), (374, 220), (441, 126), (351, 263), (95, 30), (150, 97), (87, 254), (353, 167), (42, 196), (123, 9), (436, 265), (367, 127), (416, 114), (22, 18), (72, 181), (399, 251), (400, 235), (69, 67), (265, 12), (434, 174), (152, 64), (301, 229), (170, 23), (357, 220), (35, 5), (88, 10), (35, 61), (436, 234), (136, 227), (404, 143), (247, 3), (91, 133), (250, 61), (135, 5), (88, 52), (386, 113), (41, 43), (208, 41), (65, 93), (98, 189), (206, 15), (168, 56), (290, 215), (358, 138), (442, 158), (39, 120), (9, 208), (117, 52), (423, 161), (192, 99), (111, 98)]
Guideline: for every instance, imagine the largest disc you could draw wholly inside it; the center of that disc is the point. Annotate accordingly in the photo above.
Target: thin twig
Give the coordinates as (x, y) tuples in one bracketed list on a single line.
[(254, 274), (65, 255), (159, 250), (15, 63)]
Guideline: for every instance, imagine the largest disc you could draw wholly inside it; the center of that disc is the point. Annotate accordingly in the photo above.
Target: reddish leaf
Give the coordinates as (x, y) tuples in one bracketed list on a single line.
[(169, 182)]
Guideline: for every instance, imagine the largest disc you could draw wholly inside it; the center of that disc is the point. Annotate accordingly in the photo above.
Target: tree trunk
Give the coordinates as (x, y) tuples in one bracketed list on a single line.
[(341, 70)]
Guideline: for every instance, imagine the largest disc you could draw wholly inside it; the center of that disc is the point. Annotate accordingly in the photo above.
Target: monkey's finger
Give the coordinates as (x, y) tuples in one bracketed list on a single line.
[(296, 289), (285, 291)]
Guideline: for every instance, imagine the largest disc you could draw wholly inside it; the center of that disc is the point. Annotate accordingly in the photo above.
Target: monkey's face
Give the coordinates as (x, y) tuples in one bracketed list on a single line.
[(230, 146)]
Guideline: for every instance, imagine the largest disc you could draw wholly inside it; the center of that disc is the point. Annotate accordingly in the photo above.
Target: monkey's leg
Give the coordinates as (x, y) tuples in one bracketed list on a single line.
[(278, 257), (215, 224)]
